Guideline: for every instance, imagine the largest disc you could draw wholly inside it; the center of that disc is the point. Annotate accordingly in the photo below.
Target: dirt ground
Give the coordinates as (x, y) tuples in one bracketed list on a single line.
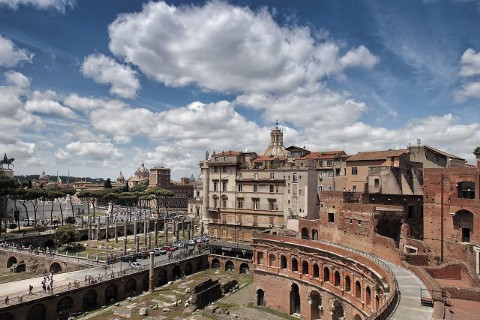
[(237, 305)]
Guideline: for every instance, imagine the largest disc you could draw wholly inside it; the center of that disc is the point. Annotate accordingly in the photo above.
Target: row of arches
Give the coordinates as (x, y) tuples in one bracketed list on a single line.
[(230, 266), (347, 282), (54, 267)]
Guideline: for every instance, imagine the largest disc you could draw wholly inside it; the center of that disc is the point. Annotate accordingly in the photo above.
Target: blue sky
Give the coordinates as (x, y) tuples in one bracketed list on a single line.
[(98, 87)]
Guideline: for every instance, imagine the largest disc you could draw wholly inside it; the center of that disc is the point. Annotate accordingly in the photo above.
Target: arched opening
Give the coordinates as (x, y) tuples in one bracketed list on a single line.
[(283, 262), (176, 272), (294, 265), (305, 233), (129, 232), (229, 266), (357, 317), (7, 316), (358, 289), (305, 267), (50, 244), (244, 269), (377, 302), (84, 237), (37, 312), (271, 260), (463, 222), (162, 277), (11, 261), (337, 311), (314, 234), (145, 282), (65, 308), (315, 303), (347, 283), (188, 269), (199, 265), (55, 267), (130, 287), (326, 274), (111, 293), (294, 299), (215, 264), (260, 297), (337, 278), (316, 271), (90, 300), (368, 296)]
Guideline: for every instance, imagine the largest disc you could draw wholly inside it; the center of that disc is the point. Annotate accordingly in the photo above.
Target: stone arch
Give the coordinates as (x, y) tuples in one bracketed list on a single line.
[(358, 289), (337, 310), (90, 300), (377, 302), (145, 282), (305, 233), (348, 283), (188, 269), (316, 271), (357, 317), (11, 261), (305, 267), (130, 287), (314, 234), (229, 266), (162, 277), (326, 274), (111, 293), (37, 312), (315, 304), (260, 297), (50, 243), (215, 264), (294, 264), (65, 307), (199, 265), (84, 237), (271, 260), (368, 296), (55, 267), (283, 262), (6, 316), (176, 272), (129, 232), (336, 279), (294, 299), (463, 222), (244, 268)]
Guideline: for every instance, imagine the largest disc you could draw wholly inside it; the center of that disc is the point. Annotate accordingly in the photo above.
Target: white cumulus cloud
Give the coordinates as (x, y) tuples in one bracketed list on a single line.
[(10, 55), (59, 5), (105, 70)]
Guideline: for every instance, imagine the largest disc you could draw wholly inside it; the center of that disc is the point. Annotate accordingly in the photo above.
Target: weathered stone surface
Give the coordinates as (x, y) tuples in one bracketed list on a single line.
[(143, 312)]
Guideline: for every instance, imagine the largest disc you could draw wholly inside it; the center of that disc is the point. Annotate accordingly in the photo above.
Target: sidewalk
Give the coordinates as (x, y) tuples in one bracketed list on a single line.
[(409, 306)]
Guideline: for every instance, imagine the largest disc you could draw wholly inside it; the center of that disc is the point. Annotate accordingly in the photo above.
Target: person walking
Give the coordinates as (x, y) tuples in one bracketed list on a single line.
[(30, 288), (7, 300), (44, 286)]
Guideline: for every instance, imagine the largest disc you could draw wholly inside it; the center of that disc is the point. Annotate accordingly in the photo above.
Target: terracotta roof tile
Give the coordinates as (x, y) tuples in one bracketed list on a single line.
[(376, 155)]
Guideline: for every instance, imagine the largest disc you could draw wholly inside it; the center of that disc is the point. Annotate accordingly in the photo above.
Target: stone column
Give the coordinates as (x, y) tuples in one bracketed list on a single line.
[(151, 272), (125, 227), (125, 245), (145, 226), (149, 241), (135, 225), (98, 228), (190, 230), (183, 228), (107, 227), (137, 243), (116, 230), (165, 228), (156, 233), (89, 226)]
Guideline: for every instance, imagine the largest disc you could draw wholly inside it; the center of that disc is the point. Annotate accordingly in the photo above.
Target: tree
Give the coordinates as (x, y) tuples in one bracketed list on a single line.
[(66, 234), (33, 195), (7, 188), (107, 184), (161, 195), (90, 197), (70, 220)]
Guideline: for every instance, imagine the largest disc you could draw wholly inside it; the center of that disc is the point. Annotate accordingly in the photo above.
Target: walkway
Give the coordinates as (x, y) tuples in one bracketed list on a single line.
[(409, 306)]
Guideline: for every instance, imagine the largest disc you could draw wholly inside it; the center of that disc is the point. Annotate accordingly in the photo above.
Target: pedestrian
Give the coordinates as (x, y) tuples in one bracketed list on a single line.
[(44, 287), (30, 288), (6, 300)]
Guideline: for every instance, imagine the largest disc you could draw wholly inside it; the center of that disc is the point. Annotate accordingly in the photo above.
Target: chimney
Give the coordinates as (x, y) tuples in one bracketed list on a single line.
[(476, 152)]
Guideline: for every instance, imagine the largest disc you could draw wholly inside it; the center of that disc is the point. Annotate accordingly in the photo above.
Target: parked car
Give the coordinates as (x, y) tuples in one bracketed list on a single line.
[(135, 265), (143, 254), (191, 242), (159, 251), (169, 248), (128, 258)]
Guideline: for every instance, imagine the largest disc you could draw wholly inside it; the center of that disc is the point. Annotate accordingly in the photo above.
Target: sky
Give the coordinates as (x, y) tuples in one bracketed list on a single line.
[(92, 88)]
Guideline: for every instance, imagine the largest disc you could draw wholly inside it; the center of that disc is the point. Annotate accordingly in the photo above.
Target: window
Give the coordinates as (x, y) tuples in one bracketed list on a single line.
[(272, 188), (330, 173), (465, 235), (320, 188), (215, 169), (411, 209), (272, 204), (354, 188), (377, 182), (272, 176), (215, 203), (259, 257), (294, 178), (256, 203), (466, 190), (255, 188), (224, 202), (320, 163), (283, 262), (240, 187), (240, 203), (255, 176), (337, 171), (224, 169), (329, 163), (215, 185), (331, 217), (354, 171), (224, 185)]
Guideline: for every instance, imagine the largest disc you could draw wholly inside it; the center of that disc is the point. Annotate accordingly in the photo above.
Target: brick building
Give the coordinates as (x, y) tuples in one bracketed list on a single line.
[(452, 213)]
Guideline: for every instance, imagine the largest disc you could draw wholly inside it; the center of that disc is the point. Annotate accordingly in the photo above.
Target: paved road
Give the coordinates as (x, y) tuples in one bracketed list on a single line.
[(409, 285)]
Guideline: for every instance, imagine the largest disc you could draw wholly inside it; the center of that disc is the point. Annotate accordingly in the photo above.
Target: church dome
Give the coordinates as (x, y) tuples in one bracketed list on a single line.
[(121, 178), (276, 148), (142, 172), (43, 177)]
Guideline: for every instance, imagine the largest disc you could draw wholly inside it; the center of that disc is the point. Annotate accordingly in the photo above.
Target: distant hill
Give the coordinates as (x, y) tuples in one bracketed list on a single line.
[(65, 179)]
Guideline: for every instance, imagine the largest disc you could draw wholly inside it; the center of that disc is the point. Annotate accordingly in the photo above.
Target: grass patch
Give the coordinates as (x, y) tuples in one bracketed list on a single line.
[(271, 311)]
